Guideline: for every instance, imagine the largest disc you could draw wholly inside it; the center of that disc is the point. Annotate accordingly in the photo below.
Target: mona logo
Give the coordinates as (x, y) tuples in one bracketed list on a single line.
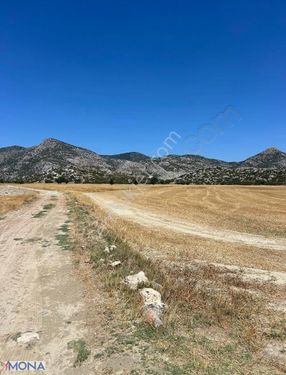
[(24, 366)]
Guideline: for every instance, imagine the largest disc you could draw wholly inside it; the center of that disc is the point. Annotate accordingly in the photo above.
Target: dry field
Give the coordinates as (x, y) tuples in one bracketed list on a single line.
[(217, 255), (11, 199), (242, 226), (234, 225), (83, 188), (251, 209), (258, 210)]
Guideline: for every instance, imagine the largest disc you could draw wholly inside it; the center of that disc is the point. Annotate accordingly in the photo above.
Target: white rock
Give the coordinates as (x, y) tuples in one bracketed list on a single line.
[(150, 295), (113, 247), (106, 250), (28, 338), (133, 281), (116, 263)]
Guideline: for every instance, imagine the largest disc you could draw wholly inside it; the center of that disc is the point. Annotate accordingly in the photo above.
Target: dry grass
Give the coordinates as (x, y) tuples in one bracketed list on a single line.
[(178, 247), (83, 188), (12, 202)]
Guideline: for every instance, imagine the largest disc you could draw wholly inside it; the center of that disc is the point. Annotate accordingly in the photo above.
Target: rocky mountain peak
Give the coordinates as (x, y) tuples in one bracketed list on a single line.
[(271, 157), (51, 142), (272, 150)]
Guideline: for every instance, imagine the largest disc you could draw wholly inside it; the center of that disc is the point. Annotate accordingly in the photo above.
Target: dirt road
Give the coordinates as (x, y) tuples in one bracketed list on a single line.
[(40, 292), (144, 217)]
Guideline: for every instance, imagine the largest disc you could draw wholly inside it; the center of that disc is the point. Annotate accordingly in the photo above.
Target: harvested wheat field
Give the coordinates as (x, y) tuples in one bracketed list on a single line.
[(243, 226)]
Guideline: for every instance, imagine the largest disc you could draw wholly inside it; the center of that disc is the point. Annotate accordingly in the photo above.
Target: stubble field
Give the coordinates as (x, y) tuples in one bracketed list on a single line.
[(242, 226)]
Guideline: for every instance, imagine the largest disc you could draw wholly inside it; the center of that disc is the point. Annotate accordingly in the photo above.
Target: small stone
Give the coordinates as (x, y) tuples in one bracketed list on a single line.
[(133, 281), (116, 263), (106, 250), (28, 338), (113, 247)]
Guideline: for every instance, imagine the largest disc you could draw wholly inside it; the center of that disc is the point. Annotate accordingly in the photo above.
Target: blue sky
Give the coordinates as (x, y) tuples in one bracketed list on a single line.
[(117, 76)]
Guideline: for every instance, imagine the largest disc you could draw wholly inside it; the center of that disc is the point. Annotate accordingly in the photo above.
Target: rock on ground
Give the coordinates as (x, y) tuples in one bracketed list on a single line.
[(153, 306), (116, 263), (133, 281), (28, 338)]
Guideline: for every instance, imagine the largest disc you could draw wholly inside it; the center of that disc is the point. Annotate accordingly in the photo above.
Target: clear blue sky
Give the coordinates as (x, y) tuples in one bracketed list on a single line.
[(117, 76)]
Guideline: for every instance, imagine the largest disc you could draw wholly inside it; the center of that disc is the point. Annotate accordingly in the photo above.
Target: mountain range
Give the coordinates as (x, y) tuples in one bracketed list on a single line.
[(56, 161)]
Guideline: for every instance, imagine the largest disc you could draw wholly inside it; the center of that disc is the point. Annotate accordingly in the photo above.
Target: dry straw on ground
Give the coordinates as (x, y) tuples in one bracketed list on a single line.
[(8, 203)]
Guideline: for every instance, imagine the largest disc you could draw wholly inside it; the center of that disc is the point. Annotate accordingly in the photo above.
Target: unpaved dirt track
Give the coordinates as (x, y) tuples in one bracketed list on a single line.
[(39, 289), (147, 218)]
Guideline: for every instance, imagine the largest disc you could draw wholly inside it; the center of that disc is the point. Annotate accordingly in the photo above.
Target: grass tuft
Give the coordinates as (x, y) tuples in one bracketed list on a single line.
[(80, 348), (48, 206), (63, 237), (44, 211)]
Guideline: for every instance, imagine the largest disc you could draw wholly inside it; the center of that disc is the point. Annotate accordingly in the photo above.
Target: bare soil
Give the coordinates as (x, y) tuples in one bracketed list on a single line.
[(40, 291)]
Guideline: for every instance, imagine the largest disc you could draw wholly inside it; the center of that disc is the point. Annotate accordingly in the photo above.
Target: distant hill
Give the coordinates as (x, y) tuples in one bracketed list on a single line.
[(270, 158), (56, 161), (130, 156)]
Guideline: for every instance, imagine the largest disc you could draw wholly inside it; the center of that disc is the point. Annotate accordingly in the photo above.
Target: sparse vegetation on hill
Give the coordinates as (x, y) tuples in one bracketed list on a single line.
[(238, 176), (59, 162)]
